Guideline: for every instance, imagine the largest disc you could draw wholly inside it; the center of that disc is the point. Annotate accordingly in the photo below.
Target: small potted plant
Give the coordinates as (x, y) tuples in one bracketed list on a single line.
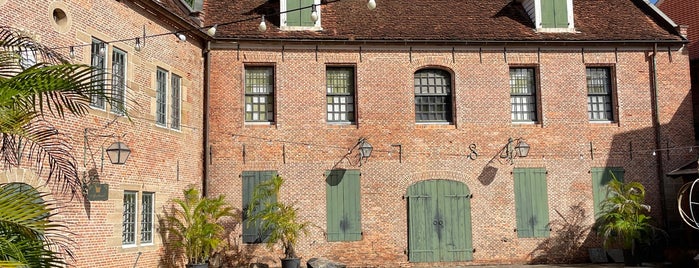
[(195, 226), (623, 221), (278, 219)]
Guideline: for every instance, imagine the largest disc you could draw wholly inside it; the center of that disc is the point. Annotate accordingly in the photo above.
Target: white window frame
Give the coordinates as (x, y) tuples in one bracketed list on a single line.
[(135, 222), (152, 218), (102, 68), (538, 19), (282, 18), (171, 96), (115, 51)]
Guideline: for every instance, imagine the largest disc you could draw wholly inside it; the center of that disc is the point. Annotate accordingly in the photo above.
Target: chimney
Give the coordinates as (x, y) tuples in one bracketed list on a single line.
[(682, 29)]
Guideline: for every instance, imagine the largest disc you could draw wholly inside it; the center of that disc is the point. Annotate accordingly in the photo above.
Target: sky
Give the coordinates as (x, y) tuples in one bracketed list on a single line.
[(653, 1)]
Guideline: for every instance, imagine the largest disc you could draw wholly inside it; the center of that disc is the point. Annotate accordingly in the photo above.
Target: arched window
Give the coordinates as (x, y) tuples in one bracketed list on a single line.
[(433, 96), (16, 188)]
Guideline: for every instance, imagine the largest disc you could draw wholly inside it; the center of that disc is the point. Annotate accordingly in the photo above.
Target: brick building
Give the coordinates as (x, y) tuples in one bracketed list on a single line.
[(444, 91), (122, 230), (682, 12), (591, 86)]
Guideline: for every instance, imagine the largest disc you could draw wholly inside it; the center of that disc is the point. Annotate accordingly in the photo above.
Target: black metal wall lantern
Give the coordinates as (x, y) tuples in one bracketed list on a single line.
[(364, 150), (118, 153), (515, 148)]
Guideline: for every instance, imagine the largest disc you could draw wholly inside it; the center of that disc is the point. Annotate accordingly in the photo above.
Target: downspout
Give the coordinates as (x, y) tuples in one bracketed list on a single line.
[(658, 133), (205, 128)]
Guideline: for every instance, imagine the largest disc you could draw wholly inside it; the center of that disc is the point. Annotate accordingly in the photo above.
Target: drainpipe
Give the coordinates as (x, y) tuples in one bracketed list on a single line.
[(205, 143), (656, 127)]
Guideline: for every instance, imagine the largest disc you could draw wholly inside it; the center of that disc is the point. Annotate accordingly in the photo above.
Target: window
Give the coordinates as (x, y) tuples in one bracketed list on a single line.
[(27, 56), (130, 218), (523, 94), (298, 13), (118, 81), (175, 93), (554, 14), (98, 61), (600, 178), (147, 217), (128, 233), (193, 5), (340, 94), (342, 193), (433, 96), (161, 99), (251, 231), (259, 94), (599, 94), (531, 202)]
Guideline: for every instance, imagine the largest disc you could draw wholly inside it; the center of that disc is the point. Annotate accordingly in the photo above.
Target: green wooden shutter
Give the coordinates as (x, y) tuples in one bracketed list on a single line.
[(554, 14), (251, 231), (299, 17), (293, 18), (423, 244), (560, 11), (306, 13), (531, 202), (455, 206), (600, 178), (343, 205)]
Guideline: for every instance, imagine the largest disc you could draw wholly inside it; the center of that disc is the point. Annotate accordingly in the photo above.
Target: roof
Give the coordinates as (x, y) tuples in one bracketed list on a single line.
[(690, 168), (684, 12), (443, 20)]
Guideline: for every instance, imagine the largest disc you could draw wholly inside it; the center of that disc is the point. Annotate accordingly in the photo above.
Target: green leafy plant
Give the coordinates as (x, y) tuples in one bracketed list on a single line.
[(278, 219), (28, 235), (36, 83), (195, 225), (623, 221)]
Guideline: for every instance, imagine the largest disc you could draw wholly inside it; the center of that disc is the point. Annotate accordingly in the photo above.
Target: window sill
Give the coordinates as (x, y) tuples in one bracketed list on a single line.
[(301, 28), (604, 123), (525, 123), (435, 125), (260, 124), (556, 30), (341, 125)]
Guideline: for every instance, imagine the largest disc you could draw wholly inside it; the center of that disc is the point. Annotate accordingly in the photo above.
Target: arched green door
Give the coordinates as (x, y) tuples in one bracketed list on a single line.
[(439, 221)]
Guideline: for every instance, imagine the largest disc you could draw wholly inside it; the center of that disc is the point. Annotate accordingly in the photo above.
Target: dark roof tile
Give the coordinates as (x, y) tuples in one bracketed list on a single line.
[(456, 20)]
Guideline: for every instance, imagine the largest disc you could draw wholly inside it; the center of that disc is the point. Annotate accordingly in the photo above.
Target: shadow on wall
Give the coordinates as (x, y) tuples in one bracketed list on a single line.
[(172, 256), (570, 240), (230, 253), (233, 254)]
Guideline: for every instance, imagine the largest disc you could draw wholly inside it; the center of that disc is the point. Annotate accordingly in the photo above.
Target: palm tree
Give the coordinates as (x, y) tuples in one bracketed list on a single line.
[(36, 83), (29, 237)]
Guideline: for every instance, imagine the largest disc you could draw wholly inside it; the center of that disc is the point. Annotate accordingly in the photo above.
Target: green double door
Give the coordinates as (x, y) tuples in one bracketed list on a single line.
[(439, 222)]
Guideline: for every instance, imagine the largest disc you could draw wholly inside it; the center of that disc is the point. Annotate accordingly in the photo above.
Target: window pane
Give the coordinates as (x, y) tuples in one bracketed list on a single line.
[(340, 94), (523, 94), (160, 100), (128, 233), (259, 94), (147, 218), (433, 96), (175, 99), (99, 63), (118, 81), (599, 94)]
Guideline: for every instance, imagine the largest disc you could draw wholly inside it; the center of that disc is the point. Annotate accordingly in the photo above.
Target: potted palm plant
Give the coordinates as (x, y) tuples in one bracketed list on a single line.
[(195, 226), (623, 221), (278, 219)]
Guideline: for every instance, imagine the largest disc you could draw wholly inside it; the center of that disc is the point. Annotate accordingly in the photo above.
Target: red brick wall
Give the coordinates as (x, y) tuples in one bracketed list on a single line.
[(162, 160), (301, 145)]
